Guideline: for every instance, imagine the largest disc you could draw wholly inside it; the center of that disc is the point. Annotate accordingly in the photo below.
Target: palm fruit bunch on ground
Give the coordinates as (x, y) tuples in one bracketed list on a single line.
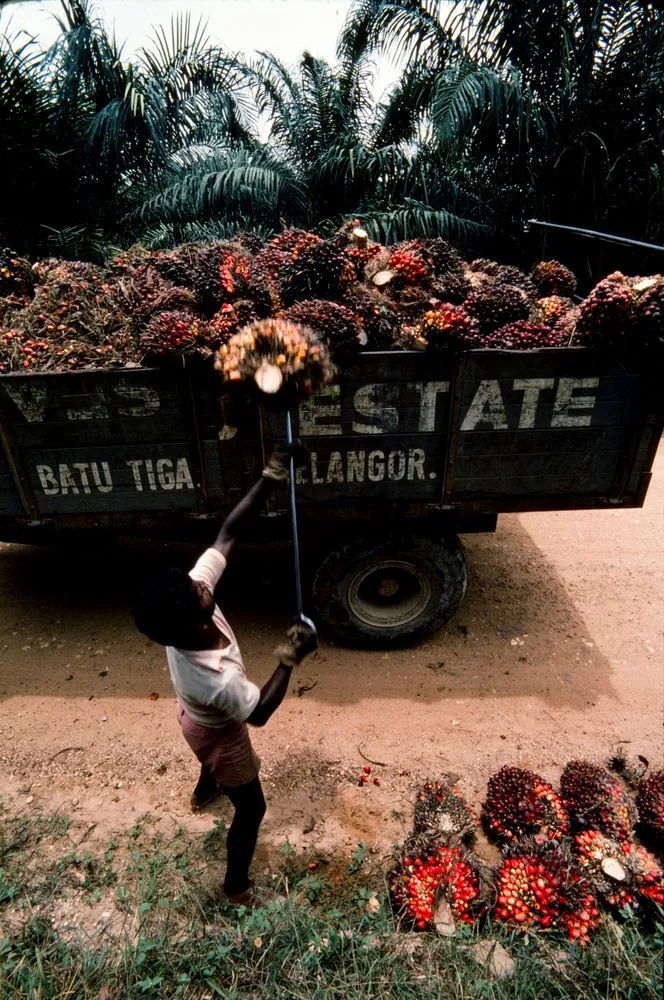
[(621, 873), (520, 802), (316, 271), (448, 327), (495, 305), (553, 278), (175, 332), (607, 317), (272, 351), (428, 873), (650, 805), (335, 324), (596, 800), (540, 886), (524, 335), (442, 812)]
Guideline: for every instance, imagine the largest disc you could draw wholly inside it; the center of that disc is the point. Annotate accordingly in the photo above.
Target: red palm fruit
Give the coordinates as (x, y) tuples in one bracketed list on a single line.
[(607, 317), (523, 336), (441, 811), (622, 873), (223, 324), (426, 873), (495, 305), (650, 804), (334, 323), (448, 327), (293, 241), (551, 310), (411, 262), (317, 271), (173, 332), (540, 886), (595, 799), (519, 802), (553, 278)]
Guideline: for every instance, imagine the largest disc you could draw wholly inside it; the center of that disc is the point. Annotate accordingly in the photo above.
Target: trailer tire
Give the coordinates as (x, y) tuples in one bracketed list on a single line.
[(390, 593)]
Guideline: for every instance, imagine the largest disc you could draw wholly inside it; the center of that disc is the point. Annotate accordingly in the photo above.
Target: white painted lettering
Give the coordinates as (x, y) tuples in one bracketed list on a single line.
[(135, 466), (416, 463), (30, 398), (107, 485), (49, 483), (356, 462), (144, 400), (567, 404), (315, 478), (531, 388), (67, 481), (82, 469), (486, 408), (335, 469), (96, 408), (428, 398), (320, 415), (376, 466), (183, 478), (372, 401), (165, 473), (150, 471), (396, 465)]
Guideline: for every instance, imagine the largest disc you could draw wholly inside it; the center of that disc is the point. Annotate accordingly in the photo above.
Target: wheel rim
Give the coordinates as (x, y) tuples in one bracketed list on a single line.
[(388, 594)]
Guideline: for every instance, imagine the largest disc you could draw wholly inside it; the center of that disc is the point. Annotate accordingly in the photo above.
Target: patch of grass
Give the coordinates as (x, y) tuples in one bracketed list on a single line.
[(321, 944)]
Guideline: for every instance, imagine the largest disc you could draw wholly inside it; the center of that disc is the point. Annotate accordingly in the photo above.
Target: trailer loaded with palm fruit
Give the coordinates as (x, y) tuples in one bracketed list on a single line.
[(462, 390)]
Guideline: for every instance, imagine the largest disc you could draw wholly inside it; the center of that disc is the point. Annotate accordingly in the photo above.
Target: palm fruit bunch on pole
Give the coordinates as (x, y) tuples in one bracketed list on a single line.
[(429, 872), (596, 800), (553, 278), (607, 317), (621, 873), (495, 305), (523, 335), (273, 352), (448, 327), (316, 271), (540, 886), (650, 805), (442, 812), (335, 324), (520, 802)]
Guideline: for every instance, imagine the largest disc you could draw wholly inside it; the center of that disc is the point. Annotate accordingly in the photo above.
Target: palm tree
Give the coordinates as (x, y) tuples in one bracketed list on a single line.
[(552, 108)]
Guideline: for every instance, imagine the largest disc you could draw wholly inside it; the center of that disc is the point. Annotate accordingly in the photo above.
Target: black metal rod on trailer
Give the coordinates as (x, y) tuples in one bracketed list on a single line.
[(593, 234)]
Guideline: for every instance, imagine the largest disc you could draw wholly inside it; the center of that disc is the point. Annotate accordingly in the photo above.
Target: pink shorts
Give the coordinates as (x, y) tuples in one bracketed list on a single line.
[(227, 752)]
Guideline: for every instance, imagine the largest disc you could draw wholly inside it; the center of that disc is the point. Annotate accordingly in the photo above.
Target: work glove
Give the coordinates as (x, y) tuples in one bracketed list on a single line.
[(278, 466), (302, 640)]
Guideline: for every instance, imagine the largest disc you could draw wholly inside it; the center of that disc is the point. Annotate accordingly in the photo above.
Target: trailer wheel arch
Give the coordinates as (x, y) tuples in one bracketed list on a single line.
[(392, 592)]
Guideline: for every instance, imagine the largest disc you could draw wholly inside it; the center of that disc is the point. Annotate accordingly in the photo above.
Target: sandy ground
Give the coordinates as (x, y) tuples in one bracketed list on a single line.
[(556, 653)]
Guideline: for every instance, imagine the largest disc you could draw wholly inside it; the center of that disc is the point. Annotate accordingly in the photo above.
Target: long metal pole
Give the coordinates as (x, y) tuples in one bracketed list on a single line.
[(293, 509), (594, 235)]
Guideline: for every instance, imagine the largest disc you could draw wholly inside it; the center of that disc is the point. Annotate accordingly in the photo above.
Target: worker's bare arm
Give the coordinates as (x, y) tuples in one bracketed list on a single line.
[(301, 640)]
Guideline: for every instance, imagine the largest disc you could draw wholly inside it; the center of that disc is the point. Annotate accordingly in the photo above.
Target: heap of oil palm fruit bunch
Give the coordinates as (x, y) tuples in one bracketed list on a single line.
[(569, 858), (155, 307)]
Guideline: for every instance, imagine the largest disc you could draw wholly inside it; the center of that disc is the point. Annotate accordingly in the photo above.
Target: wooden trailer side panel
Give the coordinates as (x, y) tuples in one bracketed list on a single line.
[(113, 442), (548, 424)]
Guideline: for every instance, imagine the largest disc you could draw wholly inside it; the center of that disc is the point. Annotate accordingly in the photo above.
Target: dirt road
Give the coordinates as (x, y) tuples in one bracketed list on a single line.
[(556, 653)]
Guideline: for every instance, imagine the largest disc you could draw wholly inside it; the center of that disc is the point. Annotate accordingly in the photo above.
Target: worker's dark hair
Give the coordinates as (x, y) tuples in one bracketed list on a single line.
[(166, 608)]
